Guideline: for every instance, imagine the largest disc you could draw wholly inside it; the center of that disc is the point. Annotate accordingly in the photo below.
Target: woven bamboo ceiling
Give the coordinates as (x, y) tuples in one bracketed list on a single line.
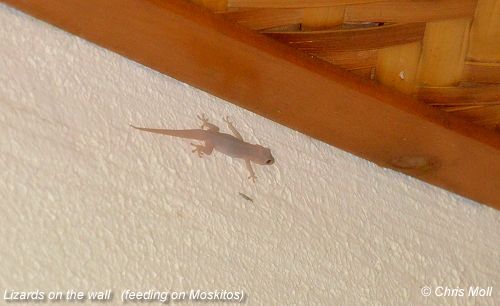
[(445, 52)]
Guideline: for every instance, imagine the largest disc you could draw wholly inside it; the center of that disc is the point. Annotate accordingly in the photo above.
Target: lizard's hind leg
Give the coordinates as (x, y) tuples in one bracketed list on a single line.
[(203, 149)]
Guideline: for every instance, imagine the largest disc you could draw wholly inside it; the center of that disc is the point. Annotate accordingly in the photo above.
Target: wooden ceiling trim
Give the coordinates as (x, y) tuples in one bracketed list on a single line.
[(200, 48)]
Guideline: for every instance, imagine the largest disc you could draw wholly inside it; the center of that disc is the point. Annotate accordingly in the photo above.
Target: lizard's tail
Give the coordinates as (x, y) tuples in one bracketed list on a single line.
[(190, 134)]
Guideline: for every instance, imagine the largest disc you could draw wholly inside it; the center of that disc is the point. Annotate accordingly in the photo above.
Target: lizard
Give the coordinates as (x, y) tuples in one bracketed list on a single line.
[(230, 145)]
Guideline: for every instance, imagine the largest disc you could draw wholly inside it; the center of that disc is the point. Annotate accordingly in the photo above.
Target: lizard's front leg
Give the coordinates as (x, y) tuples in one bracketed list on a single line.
[(203, 149), (252, 176), (230, 125)]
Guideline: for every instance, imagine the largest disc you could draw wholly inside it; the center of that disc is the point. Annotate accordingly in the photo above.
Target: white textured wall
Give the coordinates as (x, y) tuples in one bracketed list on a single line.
[(89, 203)]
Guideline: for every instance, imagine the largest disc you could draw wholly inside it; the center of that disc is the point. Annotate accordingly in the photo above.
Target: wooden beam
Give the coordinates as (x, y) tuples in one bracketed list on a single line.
[(306, 94)]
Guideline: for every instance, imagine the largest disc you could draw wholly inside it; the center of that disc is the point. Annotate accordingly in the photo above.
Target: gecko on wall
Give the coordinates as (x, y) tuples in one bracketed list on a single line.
[(230, 145)]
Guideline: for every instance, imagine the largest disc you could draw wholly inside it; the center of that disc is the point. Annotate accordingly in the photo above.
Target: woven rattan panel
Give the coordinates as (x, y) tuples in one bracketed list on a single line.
[(446, 53)]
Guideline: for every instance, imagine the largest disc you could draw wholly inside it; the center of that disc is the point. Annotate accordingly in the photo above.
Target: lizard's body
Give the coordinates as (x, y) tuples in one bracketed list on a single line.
[(230, 145)]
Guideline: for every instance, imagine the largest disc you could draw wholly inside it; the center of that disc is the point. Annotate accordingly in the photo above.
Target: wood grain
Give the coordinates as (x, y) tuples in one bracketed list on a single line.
[(481, 72), (397, 66), (294, 3), (442, 63), (308, 18), (447, 96), (358, 39), (485, 32), (414, 11), (214, 5), (488, 116), (322, 18), (259, 19), (273, 80), (350, 59)]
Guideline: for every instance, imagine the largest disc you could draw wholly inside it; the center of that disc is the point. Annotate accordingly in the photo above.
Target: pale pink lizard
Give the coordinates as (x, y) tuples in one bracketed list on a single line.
[(233, 146)]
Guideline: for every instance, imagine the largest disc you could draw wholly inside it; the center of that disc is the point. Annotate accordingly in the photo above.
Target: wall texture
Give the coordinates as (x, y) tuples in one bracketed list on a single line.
[(88, 203)]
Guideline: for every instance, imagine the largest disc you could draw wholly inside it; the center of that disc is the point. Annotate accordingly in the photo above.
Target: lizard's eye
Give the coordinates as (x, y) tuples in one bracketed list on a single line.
[(269, 161)]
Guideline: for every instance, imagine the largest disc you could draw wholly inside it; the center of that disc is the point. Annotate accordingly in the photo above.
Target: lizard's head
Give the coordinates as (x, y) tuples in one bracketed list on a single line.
[(263, 156)]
